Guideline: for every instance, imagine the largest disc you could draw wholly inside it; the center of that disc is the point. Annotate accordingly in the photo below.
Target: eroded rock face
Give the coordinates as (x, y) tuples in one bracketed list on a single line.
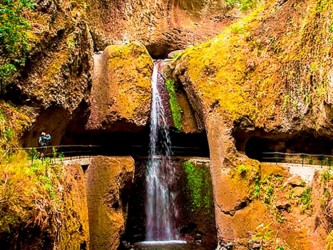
[(121, 91), (57, 74), (163, 26), (109, 181)]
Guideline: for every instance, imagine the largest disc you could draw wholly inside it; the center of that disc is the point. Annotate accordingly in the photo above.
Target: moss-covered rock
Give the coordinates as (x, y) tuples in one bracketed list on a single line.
[(234, 76), (57, 69), (198, 222), (121, 91)]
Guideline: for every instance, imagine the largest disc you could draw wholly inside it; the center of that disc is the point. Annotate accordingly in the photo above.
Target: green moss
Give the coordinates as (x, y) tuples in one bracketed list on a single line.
[(199, 186), (242, 170), (175, 108), (242, 4), (266, 76)]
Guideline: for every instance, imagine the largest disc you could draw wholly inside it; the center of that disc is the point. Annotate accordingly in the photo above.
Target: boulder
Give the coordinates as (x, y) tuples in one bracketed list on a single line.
[(121, 91)]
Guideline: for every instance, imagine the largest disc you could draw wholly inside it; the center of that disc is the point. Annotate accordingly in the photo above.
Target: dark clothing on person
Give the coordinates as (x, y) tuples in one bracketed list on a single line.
[(44, 139)]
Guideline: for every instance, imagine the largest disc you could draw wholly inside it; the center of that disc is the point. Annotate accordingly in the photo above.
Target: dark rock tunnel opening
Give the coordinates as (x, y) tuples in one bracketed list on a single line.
[(260, 145), (136, 144)]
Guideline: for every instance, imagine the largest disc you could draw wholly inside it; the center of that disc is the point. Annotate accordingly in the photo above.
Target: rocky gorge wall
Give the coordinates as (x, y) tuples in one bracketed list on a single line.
[(162, 26), (43, 205)]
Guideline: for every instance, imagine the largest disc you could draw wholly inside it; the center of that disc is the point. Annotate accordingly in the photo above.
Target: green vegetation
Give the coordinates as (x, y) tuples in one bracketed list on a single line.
[(256, 189), (326, 176), (265, 185), (263, 235), (329, 241), (177, 55), (269, 194), (29, 194), (175, 108), (199, 186), (242, 4), (7, 133), (13, 39), (305, 200), (242, 170), (267, 189)]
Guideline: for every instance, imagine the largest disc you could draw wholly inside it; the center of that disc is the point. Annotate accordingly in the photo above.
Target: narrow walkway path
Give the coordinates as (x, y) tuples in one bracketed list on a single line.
[(84, 160), (296, 163), (305, 171)]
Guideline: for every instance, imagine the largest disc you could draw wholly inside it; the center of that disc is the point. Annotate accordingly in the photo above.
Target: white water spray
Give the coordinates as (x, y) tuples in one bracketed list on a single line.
[(160, 199)]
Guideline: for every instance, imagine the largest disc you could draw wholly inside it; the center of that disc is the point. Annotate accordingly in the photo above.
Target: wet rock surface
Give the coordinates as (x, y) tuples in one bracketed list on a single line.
[(195, 218)]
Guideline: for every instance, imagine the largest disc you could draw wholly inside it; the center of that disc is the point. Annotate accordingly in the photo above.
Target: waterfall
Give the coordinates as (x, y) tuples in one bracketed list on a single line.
[(160, 177)]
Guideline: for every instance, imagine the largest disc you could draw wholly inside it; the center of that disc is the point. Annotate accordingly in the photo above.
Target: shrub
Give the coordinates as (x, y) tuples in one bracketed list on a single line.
[(13, 39)]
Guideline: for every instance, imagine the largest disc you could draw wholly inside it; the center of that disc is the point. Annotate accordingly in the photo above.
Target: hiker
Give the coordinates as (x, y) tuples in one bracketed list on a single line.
[(44, 139), (43, 142)]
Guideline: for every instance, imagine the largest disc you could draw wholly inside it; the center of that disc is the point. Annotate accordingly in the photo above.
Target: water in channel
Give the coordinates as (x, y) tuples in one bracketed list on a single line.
[(161, 211)]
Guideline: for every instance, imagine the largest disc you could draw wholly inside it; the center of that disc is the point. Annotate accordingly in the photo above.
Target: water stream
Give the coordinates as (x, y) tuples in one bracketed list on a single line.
[(161, 211)]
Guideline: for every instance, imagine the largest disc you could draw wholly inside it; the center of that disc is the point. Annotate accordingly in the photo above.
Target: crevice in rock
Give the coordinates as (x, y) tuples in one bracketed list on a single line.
[(237, 207)]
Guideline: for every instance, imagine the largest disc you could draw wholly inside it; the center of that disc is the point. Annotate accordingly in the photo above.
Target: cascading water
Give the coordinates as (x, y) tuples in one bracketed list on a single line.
[(161, 210)]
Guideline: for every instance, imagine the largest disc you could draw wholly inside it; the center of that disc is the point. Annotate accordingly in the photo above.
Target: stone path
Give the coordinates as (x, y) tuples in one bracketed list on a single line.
[(306, 172)]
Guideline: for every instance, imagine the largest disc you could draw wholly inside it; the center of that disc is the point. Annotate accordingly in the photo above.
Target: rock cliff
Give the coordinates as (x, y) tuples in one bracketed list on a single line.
[(121, 90), (43, 206), (56, 75)]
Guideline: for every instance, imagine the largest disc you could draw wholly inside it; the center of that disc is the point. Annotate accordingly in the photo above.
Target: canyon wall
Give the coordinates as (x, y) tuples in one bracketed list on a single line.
[(162, 26)]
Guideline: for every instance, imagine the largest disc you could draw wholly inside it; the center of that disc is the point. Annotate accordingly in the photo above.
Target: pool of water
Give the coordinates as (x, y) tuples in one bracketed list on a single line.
[(167, 245)]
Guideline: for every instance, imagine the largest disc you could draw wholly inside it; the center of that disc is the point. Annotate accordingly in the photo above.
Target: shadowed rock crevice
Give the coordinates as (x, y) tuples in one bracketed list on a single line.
[(255, 143), (137, 144)]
